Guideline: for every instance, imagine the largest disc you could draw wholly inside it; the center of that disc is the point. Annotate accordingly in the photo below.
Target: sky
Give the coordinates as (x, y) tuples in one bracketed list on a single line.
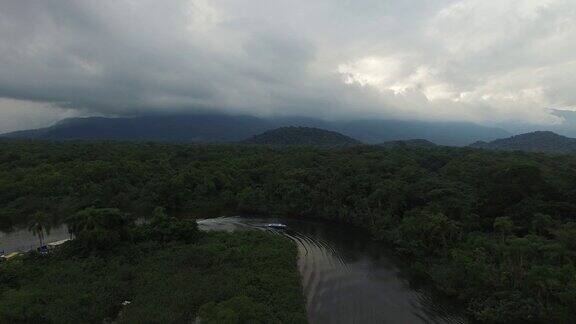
[(485, 61)]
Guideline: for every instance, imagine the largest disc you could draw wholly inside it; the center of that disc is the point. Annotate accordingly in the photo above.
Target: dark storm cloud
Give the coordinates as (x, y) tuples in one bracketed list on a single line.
[(328, 58)]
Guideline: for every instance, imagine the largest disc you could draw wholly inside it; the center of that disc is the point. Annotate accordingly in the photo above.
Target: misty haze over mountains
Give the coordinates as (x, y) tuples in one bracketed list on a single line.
[(227, 128), (210, 128), (566, 125)]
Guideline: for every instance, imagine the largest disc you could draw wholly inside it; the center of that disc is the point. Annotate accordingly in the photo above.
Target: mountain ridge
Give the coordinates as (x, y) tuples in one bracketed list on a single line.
[(539, 141), (229, 128)]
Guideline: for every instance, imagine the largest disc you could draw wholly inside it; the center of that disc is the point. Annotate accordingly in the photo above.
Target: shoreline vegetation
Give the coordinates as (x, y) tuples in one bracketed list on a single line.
[(494, 230), (163, 272)]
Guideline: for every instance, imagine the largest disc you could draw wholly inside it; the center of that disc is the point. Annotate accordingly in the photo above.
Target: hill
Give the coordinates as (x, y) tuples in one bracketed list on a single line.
[(308, 136), (541, 141), (419, 143), (227, 128)]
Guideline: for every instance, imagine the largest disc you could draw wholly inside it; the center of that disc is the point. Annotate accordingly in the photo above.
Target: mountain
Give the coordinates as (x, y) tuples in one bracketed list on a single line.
[(541, 141), (227, 128), (419, 143), (302, 136), (196, 128), (565, 125)]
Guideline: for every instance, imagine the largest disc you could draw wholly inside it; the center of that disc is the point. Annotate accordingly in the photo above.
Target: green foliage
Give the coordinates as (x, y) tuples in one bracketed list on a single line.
[(427, 233), (503, 225), (493, 229), (541, 224), (98, 229), (240, 309), (163, 228), (247, 277)]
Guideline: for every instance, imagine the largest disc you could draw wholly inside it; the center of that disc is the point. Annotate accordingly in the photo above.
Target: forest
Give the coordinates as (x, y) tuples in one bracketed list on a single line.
[(494, 230), (162, 272)]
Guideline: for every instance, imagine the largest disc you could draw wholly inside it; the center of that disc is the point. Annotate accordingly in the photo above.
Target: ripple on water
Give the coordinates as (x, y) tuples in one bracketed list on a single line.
[(348, 283)]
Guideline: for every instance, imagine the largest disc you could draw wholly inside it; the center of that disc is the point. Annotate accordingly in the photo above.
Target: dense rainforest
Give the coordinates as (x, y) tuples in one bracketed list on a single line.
[(496, 230)]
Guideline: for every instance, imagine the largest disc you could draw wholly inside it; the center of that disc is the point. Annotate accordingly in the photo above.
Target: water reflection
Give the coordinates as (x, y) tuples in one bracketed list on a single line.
[(347, 277)]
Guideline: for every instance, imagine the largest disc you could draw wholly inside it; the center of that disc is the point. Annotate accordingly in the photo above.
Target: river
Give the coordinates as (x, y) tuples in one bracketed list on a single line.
[(23, 240), (346, 276), (349, 278)]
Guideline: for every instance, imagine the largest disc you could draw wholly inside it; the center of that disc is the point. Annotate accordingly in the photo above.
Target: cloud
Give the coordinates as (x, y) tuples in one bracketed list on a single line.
[(16, 114), (476, 60)]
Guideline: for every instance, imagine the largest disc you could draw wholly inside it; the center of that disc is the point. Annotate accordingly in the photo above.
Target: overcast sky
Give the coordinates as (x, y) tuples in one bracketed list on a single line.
[(486, 61)]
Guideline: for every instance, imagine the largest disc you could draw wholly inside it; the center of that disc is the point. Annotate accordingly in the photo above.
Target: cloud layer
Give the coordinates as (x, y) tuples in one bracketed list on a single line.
[(475, 60)]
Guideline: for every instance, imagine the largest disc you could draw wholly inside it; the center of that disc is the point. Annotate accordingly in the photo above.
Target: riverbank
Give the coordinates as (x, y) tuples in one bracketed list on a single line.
[(249, 276), (349, 278)]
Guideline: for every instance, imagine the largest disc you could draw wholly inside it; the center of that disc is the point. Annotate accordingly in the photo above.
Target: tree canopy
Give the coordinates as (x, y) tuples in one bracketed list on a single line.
[(493, 229)]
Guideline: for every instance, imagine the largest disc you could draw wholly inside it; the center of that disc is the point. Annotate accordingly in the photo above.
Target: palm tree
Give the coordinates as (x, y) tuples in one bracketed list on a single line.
[(39, 225)]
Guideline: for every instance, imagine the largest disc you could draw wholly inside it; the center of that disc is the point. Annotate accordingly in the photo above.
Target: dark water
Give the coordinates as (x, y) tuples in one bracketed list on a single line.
[(348, 278), (23, 240)]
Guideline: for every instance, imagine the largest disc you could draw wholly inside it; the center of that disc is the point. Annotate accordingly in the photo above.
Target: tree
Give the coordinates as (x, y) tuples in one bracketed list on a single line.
[(159, 214), (239, 309), (98, 228), (566, 235), (503, 225), (164, 228), (541, 224), (39, 225)]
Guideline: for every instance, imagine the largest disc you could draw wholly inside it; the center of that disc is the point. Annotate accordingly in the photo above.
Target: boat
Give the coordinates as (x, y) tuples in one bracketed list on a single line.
[(276, 225)]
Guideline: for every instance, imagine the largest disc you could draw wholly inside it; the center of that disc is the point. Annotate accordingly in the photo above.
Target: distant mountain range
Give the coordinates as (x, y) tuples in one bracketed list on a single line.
[(226, 128), (541, 141), (302, 136), (419, 143)]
